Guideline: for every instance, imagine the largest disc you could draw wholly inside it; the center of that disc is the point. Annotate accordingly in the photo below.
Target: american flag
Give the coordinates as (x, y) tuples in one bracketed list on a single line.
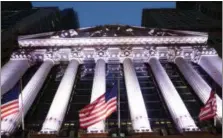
[(10, 102), (100, 109), (210, 108)]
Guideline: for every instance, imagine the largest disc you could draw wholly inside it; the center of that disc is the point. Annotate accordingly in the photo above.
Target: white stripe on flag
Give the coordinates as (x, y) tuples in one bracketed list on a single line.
[(98, 113), (10, 107), (98, 119), (96, 109), (9, 112), (99, 103)]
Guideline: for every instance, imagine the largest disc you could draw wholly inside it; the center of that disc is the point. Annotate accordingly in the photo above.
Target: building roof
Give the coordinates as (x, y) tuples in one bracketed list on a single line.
[(113, 31), (112, 35)]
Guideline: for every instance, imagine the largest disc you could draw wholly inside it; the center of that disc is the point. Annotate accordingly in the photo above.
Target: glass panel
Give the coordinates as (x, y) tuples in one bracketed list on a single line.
[(208, 79), (40, 107), (156, 108), (115, 72), (187, 94)]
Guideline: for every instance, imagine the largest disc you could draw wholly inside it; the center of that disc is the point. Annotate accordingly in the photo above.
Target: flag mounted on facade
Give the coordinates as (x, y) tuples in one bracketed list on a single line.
[(210, 108), (99, 109), (10, 101)]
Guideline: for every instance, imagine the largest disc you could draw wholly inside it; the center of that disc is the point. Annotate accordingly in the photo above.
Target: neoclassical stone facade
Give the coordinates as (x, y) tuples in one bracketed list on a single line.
[(125, 45)]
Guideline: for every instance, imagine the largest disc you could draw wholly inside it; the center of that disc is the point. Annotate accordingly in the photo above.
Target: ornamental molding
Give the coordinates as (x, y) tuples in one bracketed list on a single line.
[(142, 53)]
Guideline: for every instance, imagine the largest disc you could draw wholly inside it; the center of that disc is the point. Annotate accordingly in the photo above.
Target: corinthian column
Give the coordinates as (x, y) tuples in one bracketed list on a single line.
[(97, 90), (177, 108), (61, 99), (29, 93), (139, 117), (200, 87), (11, 73), (213, 66)]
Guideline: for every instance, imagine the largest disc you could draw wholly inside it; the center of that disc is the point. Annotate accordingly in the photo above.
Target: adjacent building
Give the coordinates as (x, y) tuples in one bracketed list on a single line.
[(195, 16), (24, 20), (69, 19), (20, 18), (212, 9), (165, 77)]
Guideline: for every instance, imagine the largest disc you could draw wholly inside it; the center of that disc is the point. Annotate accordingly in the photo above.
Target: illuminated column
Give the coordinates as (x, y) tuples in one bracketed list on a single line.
[(176, 107), (200, 87), (29, 93), (11, 73), (213, 66), (139, 117), (98, 89), (61, 99)]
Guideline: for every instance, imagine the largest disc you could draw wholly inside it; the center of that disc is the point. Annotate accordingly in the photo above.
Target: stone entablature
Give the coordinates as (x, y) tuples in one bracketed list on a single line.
[(113, 43)]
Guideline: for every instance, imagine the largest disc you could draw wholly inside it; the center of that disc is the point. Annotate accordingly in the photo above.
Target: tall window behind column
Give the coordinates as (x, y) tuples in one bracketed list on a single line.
[(208, 79), (80, 97), (187, 94), (114, 71), (38, 111), (29, 73), (25, 79), (156, 109)]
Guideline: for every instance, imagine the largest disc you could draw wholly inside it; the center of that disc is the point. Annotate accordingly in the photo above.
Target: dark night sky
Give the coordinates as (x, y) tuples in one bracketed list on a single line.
[(99, 13)]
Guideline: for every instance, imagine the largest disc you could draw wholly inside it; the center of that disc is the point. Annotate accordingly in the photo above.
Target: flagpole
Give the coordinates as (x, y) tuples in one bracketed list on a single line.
[(23, 125), (215, 119), (119, 121)]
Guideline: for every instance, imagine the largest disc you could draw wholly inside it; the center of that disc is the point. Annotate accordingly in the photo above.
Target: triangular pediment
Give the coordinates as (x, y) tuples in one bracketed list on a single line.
[(113, 35), (113, 31)]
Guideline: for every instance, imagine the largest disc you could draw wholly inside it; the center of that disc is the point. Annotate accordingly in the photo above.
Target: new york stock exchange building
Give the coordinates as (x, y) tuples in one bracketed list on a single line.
[(165, 77)]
